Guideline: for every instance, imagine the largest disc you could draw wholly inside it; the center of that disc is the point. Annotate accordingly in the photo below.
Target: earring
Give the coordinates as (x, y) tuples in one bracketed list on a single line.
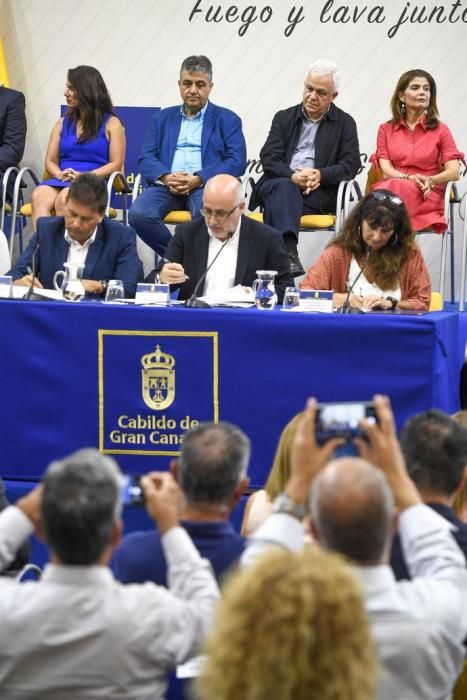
[(402, 107), (394, 240)]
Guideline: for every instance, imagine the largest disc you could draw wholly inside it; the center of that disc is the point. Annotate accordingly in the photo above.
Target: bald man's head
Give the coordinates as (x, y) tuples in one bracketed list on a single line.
[(223, 204), (352, 509)]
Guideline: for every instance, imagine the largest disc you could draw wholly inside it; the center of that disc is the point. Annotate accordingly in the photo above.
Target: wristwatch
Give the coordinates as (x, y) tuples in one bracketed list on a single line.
[(104, 284), (284, 504), (393, 301)]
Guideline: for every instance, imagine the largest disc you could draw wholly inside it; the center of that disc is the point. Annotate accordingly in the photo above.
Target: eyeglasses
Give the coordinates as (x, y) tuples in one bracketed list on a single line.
[(218, 213), (382, 196)]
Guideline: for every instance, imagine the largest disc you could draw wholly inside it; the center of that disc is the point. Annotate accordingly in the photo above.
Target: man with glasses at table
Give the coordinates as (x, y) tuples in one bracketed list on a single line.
[(249, 246)]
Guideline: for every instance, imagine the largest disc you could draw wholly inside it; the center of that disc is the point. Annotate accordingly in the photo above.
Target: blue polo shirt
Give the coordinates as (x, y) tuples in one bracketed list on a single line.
[(140, 556)]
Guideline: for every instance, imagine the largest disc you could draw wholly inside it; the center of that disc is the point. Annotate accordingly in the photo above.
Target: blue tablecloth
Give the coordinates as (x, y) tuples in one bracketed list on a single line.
[(75, 375)]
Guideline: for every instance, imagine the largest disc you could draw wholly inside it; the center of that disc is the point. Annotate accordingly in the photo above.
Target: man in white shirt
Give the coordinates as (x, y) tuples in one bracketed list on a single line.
[(105, 249), (78, 634), (249, 245), (418, 625)]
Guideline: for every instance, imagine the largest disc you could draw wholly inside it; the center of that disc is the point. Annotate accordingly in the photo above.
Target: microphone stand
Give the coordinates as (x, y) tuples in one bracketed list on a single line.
[(193, 302), (29, 293), (346, 308)]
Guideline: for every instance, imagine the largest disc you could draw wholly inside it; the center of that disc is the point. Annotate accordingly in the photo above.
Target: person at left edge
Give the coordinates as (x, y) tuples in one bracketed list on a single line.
[(184, 147), (106, 249), (253, 246), (12, 131)]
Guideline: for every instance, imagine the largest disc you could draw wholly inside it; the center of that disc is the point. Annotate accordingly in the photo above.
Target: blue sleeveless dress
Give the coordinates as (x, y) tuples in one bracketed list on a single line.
[(80, 156)]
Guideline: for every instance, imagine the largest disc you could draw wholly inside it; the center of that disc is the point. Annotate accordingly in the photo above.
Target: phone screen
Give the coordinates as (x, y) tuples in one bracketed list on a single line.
[(132, 493), (342, 420)]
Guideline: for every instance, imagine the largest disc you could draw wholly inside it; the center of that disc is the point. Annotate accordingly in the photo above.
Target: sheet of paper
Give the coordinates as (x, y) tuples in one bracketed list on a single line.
[(235, 295)]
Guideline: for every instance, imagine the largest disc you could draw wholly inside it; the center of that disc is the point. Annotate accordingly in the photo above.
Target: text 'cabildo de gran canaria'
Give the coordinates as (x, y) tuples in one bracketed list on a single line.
[(150, 430)]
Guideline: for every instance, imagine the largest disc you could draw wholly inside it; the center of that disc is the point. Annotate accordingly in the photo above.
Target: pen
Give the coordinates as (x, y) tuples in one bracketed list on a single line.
[(165, 260)]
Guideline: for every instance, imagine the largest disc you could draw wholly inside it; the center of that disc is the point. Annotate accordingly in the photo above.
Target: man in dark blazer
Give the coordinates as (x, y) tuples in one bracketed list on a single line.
[(106, 249), (252, 245), (310, 149), (12, 131), (435, 451), (184, 147)]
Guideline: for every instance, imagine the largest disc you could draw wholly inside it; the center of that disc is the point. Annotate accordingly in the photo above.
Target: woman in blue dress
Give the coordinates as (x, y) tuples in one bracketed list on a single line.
[(89, 138)]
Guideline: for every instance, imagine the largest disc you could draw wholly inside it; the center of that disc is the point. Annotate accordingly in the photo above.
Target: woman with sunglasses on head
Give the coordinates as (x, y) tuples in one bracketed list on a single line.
[(377, 246), (416, 153), (89, 138)]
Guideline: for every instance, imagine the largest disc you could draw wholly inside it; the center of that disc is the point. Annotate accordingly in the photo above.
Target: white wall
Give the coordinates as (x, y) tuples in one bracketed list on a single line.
[(138, 46)]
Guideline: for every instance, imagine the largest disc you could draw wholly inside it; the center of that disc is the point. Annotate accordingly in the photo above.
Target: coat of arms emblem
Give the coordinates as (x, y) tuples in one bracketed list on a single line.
[(158, 377)]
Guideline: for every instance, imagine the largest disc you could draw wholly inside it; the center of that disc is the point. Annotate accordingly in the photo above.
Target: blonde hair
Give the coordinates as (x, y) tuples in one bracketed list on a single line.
[(280, 470), (291, 626)]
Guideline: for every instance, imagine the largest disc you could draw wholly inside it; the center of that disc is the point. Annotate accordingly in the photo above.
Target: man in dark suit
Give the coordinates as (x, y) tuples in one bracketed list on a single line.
[(252, 246), (12, 131), (310, 149), (106, 249), (184, 147), (435, 450)]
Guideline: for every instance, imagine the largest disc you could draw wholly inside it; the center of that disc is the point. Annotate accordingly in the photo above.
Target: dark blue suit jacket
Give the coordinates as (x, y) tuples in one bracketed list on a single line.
[(223, 148), (260, 248), (112, 255), (398, 564), (12, 130)]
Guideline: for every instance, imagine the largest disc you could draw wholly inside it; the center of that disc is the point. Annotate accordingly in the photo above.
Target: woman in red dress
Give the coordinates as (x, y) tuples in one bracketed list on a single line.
[(416, 152)]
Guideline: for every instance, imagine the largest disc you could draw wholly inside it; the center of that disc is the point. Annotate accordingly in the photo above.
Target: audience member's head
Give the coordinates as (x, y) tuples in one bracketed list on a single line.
[(213, 465), (80, 511), (352, 510), (291, 627), (280, 469), (435, 451)]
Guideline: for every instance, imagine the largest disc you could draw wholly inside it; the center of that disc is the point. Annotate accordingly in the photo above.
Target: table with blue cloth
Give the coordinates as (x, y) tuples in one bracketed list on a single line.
[(131, 380)]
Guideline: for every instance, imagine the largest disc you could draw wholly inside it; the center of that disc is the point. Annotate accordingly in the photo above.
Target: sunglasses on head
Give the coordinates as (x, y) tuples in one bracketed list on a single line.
[(382, 196)]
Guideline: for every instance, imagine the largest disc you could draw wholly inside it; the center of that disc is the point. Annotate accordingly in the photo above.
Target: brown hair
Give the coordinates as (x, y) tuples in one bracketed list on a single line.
[(459, 501), (379, 209), (432, 114), (94, 102), (291, 626)]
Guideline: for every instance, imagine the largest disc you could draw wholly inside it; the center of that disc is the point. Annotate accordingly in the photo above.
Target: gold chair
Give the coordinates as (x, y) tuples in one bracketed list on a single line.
[(177, 216), (460, 689), (348, 191), (436, 304)]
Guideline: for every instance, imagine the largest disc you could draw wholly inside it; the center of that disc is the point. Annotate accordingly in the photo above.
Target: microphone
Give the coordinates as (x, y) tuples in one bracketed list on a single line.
[(29, 293), (346, 308), (195, 303)]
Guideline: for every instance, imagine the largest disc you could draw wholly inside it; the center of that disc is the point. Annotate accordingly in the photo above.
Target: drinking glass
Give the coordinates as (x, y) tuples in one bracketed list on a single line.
[(291, 298), (115, 291), (6, 282)]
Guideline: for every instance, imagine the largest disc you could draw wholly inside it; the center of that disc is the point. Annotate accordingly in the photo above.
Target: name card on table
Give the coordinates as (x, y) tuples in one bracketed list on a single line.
[(317, 300), (152, 293), (6, 284)]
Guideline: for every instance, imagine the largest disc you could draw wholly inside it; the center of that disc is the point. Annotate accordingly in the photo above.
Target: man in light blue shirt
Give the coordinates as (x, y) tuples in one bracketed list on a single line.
[(184, 147)]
